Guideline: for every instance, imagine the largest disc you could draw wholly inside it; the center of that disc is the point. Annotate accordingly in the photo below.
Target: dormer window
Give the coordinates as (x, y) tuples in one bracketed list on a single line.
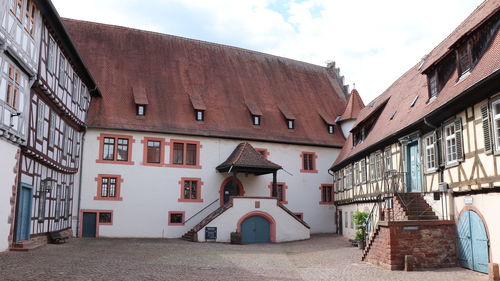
[(141, 110), (330, 129), (291, 124), (256, 120), (433, 89), (464, 63), (200, 115)]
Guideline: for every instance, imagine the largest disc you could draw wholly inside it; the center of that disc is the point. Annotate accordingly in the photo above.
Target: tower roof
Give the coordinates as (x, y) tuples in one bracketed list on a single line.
[(354, 106)]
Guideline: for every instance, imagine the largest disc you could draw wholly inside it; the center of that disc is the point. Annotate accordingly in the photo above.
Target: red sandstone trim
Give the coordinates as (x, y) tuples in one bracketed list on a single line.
[(131, 140), (314, 170), (221, 189), (266, 216), (145, 152), (119, 181), (198, 148), (321, 202), (198, 190)]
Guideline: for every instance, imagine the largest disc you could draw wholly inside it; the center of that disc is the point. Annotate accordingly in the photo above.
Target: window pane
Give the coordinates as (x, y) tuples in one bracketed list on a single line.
[(178, 156), (105, 217), (187, 190), (108, 149), (175, 218), (104, 187), (194, 189), (122, 150), (153, 152), (191, 154)]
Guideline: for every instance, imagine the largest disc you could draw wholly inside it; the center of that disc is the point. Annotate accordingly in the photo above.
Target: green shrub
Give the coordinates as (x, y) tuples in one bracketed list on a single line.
[(360, 219)]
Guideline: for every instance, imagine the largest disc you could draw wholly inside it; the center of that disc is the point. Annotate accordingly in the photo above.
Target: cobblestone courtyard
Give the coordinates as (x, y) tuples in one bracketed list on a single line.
[(324, 257)]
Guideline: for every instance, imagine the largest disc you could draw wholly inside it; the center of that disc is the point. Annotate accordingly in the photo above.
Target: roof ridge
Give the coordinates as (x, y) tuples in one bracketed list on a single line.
[(240, 153), (199, 41)]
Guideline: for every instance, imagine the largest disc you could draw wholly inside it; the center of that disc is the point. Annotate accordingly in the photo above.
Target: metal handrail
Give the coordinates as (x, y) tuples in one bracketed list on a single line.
[(201, 210), (370, 223)]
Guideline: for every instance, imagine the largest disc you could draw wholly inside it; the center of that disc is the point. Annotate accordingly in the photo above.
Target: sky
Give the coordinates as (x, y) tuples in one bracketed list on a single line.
[(373, 42)]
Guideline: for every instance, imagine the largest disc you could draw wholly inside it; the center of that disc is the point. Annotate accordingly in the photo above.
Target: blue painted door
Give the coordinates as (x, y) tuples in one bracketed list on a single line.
[(413, 168), (89, 224), (473, 242), (255, 229), (24, 213)]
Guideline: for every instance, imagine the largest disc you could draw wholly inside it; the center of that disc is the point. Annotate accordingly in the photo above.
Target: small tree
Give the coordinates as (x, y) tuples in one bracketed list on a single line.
[(360, 219)]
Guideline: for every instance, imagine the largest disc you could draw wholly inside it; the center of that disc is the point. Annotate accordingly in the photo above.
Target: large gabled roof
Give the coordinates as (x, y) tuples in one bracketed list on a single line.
[(407, 99), (231, 83)]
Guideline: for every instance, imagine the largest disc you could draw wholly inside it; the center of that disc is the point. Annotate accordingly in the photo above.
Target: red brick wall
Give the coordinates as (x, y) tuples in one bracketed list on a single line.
[(432, 245)]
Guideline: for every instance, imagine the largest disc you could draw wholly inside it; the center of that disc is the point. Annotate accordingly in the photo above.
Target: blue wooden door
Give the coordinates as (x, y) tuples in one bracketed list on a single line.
[(255, 229), (24, 213), (413, 168), (473, 242), (89, 224)]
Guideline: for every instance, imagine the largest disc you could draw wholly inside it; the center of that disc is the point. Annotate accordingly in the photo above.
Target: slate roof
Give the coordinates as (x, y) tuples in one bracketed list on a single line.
[(398, 114), (354, 106), (231, 83), (245, 156)]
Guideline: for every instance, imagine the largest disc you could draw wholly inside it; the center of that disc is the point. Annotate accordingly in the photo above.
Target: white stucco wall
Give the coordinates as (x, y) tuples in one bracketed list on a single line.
[(349, 230), (7, 180), (347, 126), (149, 193), (489, 208), (287, 227)]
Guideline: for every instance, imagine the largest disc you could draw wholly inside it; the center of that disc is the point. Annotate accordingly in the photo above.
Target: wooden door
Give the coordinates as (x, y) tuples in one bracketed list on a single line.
[(472, 242), (89, 224), (255, 229), (24, 213), (413, 168)]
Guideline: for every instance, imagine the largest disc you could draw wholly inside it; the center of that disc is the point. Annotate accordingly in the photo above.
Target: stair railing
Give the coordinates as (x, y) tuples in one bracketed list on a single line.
[(201, 210), (374, 218)]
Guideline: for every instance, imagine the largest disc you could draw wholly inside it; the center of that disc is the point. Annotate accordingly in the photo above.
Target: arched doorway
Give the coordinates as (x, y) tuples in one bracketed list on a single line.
[(227, 190), (472, 242), (255, 229)]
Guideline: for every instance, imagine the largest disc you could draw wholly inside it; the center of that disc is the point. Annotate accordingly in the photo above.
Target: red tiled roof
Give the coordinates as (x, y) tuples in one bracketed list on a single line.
[(400, 95), (225, 77), (245, 156), (354, 106), (140, 95)]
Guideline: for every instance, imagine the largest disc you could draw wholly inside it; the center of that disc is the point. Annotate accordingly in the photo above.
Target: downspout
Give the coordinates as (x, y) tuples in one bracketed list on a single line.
[(80, 186)]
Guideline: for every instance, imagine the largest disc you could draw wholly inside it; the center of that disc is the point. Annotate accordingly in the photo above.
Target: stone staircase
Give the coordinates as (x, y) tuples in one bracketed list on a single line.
[(412, 206), (406, 207), (191, 234), (24, 246)]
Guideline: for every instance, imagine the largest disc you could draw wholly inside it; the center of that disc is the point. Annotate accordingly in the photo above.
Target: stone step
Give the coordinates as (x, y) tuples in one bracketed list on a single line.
[(423, 217), (24, 246)]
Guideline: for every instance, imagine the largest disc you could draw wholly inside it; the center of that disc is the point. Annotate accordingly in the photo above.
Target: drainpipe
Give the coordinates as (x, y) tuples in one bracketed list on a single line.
[(80, 186)]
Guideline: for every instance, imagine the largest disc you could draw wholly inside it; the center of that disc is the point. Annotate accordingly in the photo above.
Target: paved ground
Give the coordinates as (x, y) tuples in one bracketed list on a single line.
[(324, 257)]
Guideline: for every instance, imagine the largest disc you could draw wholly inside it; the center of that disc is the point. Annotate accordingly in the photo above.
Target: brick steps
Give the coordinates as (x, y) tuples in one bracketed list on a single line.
[(191, 234), (25, 246)]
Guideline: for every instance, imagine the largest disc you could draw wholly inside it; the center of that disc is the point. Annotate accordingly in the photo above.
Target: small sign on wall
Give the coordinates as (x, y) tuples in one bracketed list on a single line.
[(210, 233), (468, 200), (410, 227)]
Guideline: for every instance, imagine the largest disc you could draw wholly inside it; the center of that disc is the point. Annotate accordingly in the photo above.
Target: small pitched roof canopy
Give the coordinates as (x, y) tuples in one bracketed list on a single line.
[(354, 106), (246, 159), (197, 101), (140, 95)]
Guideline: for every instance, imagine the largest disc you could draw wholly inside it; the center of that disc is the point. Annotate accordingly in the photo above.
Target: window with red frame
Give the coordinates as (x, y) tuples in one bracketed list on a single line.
[(308, 161), (105, 217), (109, 187), (115, 149), (278, 191), (326, 193), (185, 154), (190, 189), (153, 151), (176, 218)]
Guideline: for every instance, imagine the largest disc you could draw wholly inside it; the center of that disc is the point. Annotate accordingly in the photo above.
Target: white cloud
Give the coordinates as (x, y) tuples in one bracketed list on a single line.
[(373, 42)]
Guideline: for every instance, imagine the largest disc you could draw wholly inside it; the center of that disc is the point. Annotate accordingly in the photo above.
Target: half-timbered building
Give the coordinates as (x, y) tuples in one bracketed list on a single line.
[(19, 50), (422, 158), (58, 98), (193, 137)]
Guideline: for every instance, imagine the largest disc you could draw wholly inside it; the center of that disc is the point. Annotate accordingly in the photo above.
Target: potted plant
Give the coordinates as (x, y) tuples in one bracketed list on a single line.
[(360, 220), (235, 237)]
